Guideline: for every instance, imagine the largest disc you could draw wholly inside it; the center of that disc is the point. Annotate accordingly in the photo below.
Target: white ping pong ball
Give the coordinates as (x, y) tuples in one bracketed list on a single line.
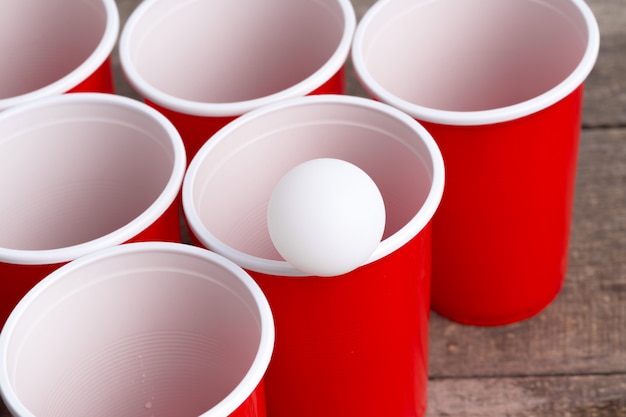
[(326, 217)]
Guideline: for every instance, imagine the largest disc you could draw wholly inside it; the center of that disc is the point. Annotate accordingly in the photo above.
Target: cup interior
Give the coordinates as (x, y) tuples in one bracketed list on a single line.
[(223, 51), (455, 55), (229, 183), (42, 41), (142, 333), (75, 170)]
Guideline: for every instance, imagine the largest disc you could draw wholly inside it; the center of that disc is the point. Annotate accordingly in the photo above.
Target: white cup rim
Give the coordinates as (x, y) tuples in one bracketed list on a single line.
[(236, 108), (229, 403), (129, 230), (481, 117), (84, 70), (283, 268)]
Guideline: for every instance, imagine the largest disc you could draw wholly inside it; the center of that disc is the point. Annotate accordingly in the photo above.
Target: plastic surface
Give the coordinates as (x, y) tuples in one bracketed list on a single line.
[(216, 60), (78, 173), (196, 130), (499, 86), (354, 344), (56, 46), (100, 81), (514, 184), (139, 329)]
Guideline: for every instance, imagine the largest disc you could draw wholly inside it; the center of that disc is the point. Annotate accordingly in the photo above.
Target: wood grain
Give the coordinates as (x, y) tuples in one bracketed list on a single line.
[(605, 102), (555, 396)]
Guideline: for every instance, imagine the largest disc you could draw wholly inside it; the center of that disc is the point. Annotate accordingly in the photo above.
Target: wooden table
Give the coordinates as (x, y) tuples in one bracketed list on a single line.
[(570, 360)]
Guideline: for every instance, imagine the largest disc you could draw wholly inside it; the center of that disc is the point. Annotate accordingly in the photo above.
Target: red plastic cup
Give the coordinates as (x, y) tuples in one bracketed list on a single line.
[(499, 85), (139, 329), (348, 345), (203, 63), (78, 173), (52, 47)]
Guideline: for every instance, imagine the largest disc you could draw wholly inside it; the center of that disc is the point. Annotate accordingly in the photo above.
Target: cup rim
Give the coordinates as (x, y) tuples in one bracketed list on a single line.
[(480, 117), (235, 108), (99, 55), (134, 227), (228, 404), (283, 268)]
